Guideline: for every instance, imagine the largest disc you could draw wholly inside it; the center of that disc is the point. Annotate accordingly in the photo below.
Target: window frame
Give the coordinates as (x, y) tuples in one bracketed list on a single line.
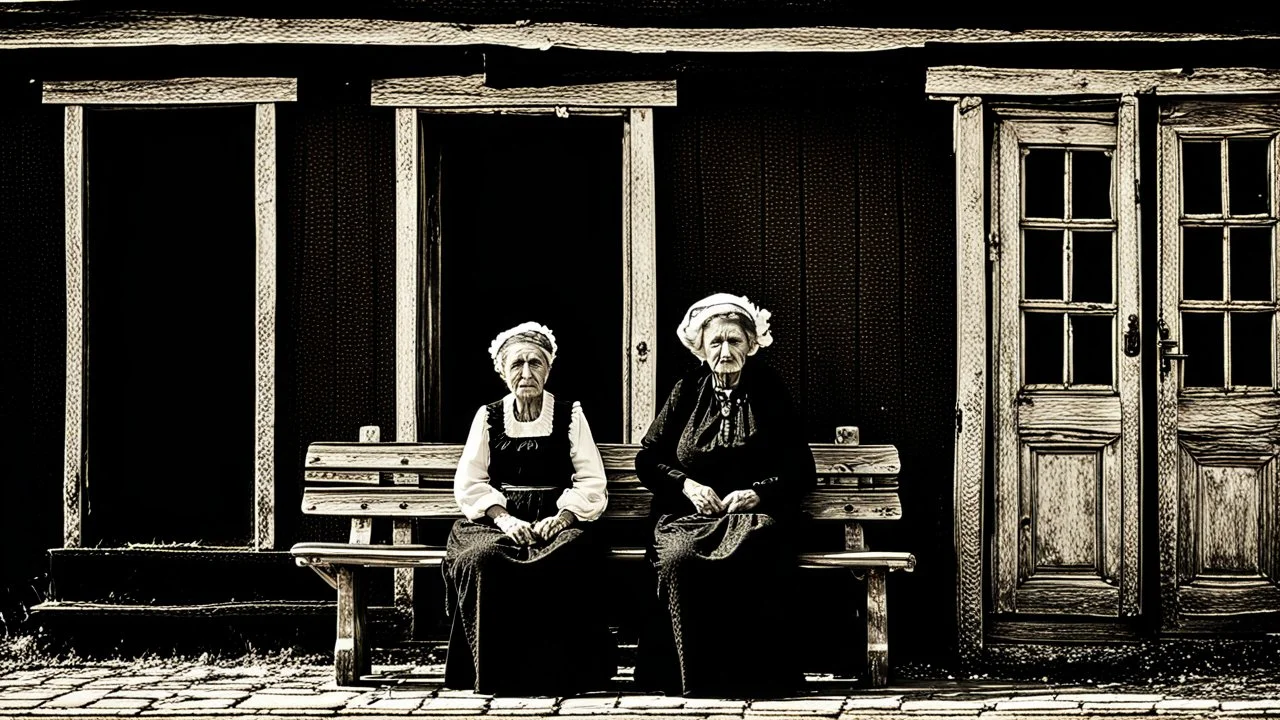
[(261, 92), (1213, 120)]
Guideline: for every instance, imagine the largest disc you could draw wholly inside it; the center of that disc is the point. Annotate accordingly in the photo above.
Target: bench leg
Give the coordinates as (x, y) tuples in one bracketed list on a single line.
[(877, 628), (350, 658)]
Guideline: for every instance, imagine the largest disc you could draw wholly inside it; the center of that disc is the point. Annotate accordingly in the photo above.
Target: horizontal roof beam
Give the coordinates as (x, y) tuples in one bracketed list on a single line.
[(955, 80), (139, 28)]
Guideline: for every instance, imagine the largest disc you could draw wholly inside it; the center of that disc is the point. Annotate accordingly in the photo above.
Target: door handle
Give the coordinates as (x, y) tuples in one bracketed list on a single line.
[(1166, 345)]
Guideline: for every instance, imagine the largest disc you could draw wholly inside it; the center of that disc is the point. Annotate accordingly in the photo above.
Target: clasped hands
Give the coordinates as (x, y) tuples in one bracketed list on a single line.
[(707, 502), (526, 533)]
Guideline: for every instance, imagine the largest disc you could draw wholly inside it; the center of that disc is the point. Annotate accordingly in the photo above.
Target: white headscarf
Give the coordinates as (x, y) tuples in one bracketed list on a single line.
[(699, 313), (495, 347)]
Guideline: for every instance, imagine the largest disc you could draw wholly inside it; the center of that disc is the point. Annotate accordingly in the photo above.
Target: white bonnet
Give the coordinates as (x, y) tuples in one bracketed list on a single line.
[(495, 347), (699, 313)]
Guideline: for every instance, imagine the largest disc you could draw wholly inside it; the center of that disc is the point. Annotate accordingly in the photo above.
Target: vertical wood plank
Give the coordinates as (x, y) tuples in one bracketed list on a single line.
[(350, 658), (879, 305), (1129, 270), (971, 361), (72, 456), (625, 355), (406, 274), (1167, 475), (877, 628), (265, 327), (783, 247), (1012, 472), (830, 269), (644, 281), (855, 539)]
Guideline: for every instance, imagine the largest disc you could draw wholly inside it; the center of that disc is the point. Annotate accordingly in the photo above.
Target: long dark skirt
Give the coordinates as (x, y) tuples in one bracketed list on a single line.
[(725, 621), (525, 619)]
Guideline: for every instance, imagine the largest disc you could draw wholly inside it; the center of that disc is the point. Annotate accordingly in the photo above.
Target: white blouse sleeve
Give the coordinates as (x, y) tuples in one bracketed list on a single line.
[(587, 498), (471, 486)]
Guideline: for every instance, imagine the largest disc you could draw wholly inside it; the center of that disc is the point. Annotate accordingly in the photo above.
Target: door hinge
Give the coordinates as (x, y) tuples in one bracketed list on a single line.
[(993, 246), (959, 420)]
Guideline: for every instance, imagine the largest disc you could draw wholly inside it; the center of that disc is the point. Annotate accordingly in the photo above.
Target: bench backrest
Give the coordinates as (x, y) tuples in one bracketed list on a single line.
[(415, 480)]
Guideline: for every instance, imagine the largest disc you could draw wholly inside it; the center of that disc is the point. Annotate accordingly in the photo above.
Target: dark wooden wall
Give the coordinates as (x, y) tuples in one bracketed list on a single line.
[(32, 350), (837, 219), (336, 323)]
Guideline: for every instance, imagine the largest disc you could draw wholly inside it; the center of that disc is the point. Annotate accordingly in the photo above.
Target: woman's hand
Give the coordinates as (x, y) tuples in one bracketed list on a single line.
[(516, 529), (704, 499), (549, 527), (741, 501)]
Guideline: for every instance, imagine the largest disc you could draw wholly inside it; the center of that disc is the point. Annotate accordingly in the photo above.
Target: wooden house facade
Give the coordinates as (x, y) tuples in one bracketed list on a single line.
[(1038, 256)]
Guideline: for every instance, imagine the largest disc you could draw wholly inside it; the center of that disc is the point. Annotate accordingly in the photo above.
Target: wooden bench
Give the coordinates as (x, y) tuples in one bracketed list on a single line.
[(407, 481)]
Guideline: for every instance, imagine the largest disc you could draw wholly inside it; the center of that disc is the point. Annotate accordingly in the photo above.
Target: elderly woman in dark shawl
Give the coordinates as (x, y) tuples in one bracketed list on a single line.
[(727, 462), (519, 568)]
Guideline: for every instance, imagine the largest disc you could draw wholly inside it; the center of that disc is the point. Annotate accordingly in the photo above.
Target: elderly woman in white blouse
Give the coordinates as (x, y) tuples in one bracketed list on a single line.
[(520, 569)]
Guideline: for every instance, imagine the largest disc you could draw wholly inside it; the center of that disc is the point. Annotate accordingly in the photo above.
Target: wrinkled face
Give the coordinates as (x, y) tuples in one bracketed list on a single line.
[(525, 369), (726, 345)]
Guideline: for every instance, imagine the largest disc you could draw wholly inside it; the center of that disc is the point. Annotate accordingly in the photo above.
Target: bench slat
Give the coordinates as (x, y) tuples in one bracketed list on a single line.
[(428, 556), (833, 503), (359, 462)]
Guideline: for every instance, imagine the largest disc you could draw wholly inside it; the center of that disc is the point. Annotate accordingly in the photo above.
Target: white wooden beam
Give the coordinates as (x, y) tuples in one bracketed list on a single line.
[(470, 91), (264, 423), (952, 80), (144, 29), (407, 295), (172, 91), (971, 370), (73, 437), (1129, 265), (639, 240)]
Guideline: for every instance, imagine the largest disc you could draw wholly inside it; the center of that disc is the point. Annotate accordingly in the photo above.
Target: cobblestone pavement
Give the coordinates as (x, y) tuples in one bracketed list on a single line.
[(193, 690)]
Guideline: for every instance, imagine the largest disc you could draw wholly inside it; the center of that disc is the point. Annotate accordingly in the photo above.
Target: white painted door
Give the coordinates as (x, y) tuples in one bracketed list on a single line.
[(1218, 409), (1066, 394)]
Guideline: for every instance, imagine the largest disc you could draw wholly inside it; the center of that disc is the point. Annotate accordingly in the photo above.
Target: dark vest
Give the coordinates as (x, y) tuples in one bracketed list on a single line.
[(530, 461)]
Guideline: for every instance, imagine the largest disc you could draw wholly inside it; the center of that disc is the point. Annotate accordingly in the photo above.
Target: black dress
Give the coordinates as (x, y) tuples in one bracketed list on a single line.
[(523, 621), (726, 618)]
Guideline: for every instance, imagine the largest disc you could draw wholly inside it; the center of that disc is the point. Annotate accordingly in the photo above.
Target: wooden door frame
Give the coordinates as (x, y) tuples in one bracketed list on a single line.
[(967, 87), (417, 298), (263, 94), (633, 101)]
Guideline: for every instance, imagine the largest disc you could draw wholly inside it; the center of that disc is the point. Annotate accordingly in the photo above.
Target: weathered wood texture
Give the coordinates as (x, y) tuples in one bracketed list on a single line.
[(350, 651), (970, 80), (880, 464), (72, 460), (141, 28), (1166, 430), (877, 628), (971, 361), (849, 503), (639, 183), (1129, 299), (414, 556), (173, 91), (1216, 451), (470, 91), (407, 274), (264, 335)]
